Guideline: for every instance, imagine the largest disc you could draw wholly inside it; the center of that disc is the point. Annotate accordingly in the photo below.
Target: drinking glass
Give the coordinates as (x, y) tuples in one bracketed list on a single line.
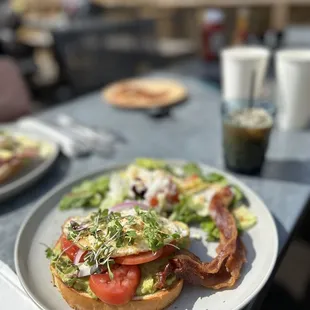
[(246, 132)]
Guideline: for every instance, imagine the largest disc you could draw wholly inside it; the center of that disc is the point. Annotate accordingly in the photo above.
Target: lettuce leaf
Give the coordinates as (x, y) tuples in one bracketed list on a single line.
[(186, 211), (90, 193), (213, 234), (150, 163), (193, 169), (239, 197)]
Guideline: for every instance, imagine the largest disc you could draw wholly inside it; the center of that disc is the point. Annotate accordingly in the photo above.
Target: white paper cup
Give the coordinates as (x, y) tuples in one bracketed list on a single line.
[(293, 89), (238, 64)]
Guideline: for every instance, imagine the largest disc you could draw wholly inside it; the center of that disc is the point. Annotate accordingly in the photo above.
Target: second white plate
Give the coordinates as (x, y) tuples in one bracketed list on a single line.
[(32, 172)]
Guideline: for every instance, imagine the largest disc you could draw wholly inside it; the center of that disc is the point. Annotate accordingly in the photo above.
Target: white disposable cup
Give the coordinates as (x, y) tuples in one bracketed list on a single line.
[(293, 88), (238, 64)]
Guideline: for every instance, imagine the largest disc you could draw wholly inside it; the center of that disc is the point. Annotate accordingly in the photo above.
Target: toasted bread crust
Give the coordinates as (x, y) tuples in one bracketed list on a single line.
[(81, 301)]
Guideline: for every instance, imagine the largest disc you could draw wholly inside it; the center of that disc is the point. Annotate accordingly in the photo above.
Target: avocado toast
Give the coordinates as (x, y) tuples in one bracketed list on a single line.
[(117, 260)]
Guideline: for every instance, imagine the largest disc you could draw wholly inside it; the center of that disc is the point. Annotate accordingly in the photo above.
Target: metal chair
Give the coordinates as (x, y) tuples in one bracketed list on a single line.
[(95, 52)]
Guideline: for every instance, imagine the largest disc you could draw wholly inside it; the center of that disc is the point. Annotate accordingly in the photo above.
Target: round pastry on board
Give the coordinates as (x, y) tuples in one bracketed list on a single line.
[(144, 93)]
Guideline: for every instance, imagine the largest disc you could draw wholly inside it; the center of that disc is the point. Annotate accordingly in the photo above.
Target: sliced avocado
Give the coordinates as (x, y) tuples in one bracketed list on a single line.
[(245, 218), (146, 286), (82, 285), (149, 277)]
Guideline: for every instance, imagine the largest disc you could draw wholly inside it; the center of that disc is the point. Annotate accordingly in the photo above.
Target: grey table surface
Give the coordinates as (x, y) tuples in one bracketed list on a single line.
[(192, 132)]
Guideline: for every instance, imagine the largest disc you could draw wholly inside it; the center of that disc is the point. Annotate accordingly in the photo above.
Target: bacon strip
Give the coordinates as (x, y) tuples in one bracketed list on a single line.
[(224, 270)]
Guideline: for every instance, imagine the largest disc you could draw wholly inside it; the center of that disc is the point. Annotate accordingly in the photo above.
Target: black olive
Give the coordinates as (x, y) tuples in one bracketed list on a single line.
[(139, 191)]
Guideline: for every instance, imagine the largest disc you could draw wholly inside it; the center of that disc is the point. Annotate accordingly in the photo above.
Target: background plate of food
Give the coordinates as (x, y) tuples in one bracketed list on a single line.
[(24, 157), (70, 237), (144, 93)]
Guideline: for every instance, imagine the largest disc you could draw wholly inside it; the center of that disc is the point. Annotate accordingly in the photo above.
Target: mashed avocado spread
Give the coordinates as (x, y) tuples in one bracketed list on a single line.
[(149, 278)]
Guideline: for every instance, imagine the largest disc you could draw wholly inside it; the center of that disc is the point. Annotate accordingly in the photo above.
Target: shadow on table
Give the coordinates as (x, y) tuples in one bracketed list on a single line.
[(280, 298), (284, 240), (287, 170), (52, 178)]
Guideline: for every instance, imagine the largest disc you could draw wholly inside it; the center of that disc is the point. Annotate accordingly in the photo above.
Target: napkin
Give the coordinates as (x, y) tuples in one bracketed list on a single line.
[(12, 294), (69, 146)]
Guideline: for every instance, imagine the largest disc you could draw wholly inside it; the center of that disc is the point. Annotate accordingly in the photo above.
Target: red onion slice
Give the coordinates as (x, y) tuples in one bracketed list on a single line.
[(128, 205), (78, 256)]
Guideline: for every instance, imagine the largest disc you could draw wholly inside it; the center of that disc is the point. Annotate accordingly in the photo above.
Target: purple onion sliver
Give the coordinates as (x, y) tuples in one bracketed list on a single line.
[(78, 256)]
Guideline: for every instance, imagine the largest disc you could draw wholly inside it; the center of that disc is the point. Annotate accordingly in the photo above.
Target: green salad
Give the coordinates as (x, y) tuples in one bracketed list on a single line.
[(181, 193)]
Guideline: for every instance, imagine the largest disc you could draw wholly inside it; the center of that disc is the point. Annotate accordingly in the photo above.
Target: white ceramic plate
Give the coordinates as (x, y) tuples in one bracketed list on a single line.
[(34, 170), (43, 226)]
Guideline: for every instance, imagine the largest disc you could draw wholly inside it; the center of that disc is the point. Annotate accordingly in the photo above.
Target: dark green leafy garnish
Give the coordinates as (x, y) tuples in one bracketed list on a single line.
[(130, 237), (50, 254)]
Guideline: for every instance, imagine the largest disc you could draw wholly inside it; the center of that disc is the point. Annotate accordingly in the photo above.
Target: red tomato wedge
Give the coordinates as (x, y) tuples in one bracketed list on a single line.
[(138, 259), (119, 290), (70, 248)]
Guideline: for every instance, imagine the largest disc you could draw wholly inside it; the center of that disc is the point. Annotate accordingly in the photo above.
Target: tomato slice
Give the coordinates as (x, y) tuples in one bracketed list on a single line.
[(119, 290), (70, 248), (168, 250), (138, 259)]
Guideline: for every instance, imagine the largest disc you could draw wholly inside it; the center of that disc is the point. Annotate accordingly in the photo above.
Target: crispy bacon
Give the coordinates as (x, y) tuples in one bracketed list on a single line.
[(224, 270), (163, 275)]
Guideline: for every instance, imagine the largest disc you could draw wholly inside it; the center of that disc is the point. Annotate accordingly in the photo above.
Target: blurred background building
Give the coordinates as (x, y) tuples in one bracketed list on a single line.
[(57, 42)]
